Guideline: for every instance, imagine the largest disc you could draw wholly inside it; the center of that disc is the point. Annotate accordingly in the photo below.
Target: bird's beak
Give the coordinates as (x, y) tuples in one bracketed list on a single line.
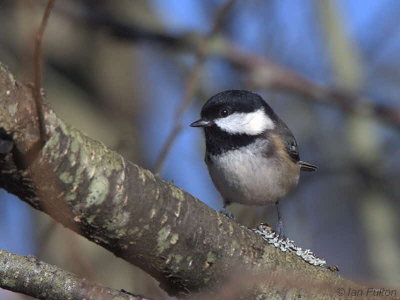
[(201, 123)]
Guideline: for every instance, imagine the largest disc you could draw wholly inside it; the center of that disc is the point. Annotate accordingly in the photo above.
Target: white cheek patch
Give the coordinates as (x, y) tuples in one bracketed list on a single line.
[(246, 123)]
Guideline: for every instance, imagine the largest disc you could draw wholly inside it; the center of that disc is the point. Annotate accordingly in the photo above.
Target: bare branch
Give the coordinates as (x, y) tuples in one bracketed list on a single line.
[(269, 75), (29, 276), (38, 72)]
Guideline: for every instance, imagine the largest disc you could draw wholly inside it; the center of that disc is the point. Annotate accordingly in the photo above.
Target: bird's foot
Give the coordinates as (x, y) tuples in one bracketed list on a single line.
[(279, 225), (227, 213), (280, 229)]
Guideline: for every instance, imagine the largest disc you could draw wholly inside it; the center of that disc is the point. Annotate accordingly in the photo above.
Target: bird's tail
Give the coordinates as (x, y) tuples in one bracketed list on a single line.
[(304, 166)]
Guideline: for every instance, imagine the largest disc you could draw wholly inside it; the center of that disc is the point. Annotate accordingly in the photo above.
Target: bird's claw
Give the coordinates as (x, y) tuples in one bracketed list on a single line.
[(227, 213)]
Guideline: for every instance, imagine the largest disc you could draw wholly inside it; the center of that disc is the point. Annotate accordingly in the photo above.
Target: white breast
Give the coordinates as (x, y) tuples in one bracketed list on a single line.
[(246, 176)]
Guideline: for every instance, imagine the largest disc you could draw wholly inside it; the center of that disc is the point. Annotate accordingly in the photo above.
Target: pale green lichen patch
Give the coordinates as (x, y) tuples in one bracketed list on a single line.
[(178, 209), (141, 175), (100, 155), (174, 238), (83, 157), (177, 193), (55, 122), (8, 282), (145, 175), (178, 258), (80, 172), (66, 177), (174, 262), (113, 161), (164, 239), (118, 224), (51, 145), (90, 219), (12, 109), (210, 260), (116, 232), (11, 78), (156, 193), (94, 154), (133, 230), (149, 174), (233, 248), (97, 191), (70, 197), (164, 219), (74, 146)]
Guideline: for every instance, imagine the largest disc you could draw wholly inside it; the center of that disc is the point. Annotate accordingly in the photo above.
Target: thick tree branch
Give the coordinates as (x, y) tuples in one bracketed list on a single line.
[(148, 222), (29, 276)]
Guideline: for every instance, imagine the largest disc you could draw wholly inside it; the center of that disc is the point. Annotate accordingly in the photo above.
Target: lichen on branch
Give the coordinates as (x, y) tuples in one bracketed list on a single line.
[(128, 210), (28, 275)]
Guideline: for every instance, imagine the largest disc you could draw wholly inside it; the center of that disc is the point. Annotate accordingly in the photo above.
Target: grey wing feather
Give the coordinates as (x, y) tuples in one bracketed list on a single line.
[(289, 141), (292, 148)]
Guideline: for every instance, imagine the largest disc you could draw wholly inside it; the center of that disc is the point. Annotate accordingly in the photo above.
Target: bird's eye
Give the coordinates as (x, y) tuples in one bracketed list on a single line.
[(224, 112)]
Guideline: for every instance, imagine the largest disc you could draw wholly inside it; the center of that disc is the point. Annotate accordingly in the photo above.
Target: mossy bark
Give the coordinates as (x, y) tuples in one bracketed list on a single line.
[(26, 274), (148, 222)]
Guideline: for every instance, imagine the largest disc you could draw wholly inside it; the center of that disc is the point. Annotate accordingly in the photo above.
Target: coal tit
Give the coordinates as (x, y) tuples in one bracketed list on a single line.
[(251, 155)]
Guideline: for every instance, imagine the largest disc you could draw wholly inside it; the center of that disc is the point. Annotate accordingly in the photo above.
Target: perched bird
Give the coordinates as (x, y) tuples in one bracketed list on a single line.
[(251, 155)]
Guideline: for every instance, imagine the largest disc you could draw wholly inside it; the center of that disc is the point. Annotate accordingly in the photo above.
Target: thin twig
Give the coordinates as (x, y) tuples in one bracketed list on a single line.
[(264, 73), (37, 91), (38, 70), (269, 75), (167, 146), (192, 84)]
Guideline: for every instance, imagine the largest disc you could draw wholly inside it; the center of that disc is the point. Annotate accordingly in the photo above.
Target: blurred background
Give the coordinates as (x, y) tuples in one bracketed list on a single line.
[(134, 74)]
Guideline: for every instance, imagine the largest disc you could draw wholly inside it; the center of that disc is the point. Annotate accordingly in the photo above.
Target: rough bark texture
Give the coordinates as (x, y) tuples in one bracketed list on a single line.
[(27, 275), (148, 222)]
